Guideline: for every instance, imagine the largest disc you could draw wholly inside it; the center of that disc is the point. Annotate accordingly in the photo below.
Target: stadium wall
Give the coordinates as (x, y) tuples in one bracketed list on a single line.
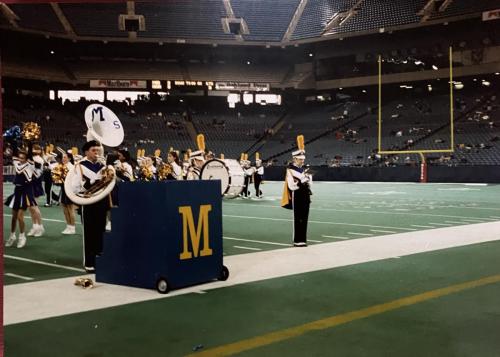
[(458, 174)]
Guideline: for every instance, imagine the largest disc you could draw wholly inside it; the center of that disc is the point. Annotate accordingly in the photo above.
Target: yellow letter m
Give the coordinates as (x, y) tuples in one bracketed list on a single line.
[(195, 234)]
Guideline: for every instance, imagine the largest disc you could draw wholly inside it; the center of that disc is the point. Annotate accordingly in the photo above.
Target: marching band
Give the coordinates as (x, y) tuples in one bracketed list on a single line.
[(89, 182)]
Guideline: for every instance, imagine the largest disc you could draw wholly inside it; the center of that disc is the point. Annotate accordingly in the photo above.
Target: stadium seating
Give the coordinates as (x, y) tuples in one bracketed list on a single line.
[(38, 17), (183, 19), (341, 134), (461, 7), (95, 19), (266, 20)]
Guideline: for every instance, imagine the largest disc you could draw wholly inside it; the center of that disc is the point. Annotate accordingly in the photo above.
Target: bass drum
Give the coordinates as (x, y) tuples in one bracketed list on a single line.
[(229, 172)]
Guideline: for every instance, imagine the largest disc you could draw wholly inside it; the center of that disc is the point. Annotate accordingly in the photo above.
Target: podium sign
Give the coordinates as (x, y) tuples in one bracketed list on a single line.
[(167, 232)]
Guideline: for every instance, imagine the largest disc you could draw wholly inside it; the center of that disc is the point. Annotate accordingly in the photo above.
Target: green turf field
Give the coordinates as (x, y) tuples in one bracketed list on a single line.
[(339, 211), (291, 315)]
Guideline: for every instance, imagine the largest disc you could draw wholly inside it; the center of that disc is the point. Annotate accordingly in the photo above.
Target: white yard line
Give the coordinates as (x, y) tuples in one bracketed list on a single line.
[(375, 212), (257, 241), (360, 234), (318, 222), (22, 277), (43, 219), (440, 224), (381, 231), (419, 226), (44, 263), (335, 237), (315, 241), (247, 248), (244, 268), (455, 222)]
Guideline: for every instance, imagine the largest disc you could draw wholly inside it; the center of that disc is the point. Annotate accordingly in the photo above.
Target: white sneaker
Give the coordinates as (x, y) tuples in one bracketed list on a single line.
[(108, 226), (69, 230), (33, 230), (40, 231), (22, 240), (11, 240)]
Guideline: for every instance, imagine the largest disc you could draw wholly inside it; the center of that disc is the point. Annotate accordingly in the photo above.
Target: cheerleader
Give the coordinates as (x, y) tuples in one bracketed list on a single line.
[(173, 160), (67, 161), (22, 198), (36, 216)]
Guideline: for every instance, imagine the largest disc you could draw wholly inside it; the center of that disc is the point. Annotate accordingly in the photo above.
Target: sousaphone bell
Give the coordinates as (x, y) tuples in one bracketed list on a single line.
[(104, 126)]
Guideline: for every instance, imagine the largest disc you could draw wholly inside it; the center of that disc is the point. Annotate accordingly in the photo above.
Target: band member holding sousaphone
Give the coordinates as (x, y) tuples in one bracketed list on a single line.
[(297, 192), (85, 174), (91, 181), (197, 159)]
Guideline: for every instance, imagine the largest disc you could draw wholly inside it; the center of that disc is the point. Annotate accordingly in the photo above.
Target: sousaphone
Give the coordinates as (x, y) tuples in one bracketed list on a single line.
[(104, 126)]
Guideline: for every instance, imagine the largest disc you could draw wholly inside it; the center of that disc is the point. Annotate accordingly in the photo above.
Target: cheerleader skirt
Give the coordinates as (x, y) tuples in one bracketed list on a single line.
[(64, 198), (22, 198), (37, 188)]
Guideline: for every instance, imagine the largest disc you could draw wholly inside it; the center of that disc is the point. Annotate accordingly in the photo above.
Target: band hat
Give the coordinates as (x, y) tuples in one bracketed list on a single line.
[(198, 154), (299, 154)]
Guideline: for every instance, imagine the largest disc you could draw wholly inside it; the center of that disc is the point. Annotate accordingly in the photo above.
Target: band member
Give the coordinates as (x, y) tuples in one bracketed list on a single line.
[(48, 164), (197, 159), (296, 194), (174, 162), (258, 176), (23, 197), (123, 168), (66, 164), (185, 165), (248, 172), (196, 163), (86, 173)]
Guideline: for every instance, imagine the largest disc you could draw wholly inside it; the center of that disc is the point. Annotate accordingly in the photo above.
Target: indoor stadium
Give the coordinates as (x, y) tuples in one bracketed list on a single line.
[(251, 177)]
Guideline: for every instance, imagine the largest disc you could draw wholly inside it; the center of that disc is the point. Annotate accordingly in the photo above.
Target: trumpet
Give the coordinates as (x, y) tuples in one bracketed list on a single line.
[(84, 283)]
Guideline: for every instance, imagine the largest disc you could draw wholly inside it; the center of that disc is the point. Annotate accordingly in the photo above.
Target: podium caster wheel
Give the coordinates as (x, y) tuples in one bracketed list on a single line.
[(162, 286), (224, 273)]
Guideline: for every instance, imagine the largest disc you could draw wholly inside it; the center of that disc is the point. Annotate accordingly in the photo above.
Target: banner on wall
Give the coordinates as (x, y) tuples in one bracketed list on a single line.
[(491, 15), (251, 87), (117, 83)]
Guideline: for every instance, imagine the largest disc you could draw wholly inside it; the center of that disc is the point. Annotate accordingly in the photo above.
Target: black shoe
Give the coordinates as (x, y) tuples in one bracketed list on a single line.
[(300, 244), (90, 270), (47, 205)]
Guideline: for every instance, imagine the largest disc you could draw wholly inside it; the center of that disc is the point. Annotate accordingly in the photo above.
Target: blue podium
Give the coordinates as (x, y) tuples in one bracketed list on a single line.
[(165, 235)]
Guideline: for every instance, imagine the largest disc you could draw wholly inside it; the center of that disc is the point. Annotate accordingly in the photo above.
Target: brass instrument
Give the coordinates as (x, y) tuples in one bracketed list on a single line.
[(31, 131), (164, 171), (84, 283), (107, 175), (107, 131), (59, 173)]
